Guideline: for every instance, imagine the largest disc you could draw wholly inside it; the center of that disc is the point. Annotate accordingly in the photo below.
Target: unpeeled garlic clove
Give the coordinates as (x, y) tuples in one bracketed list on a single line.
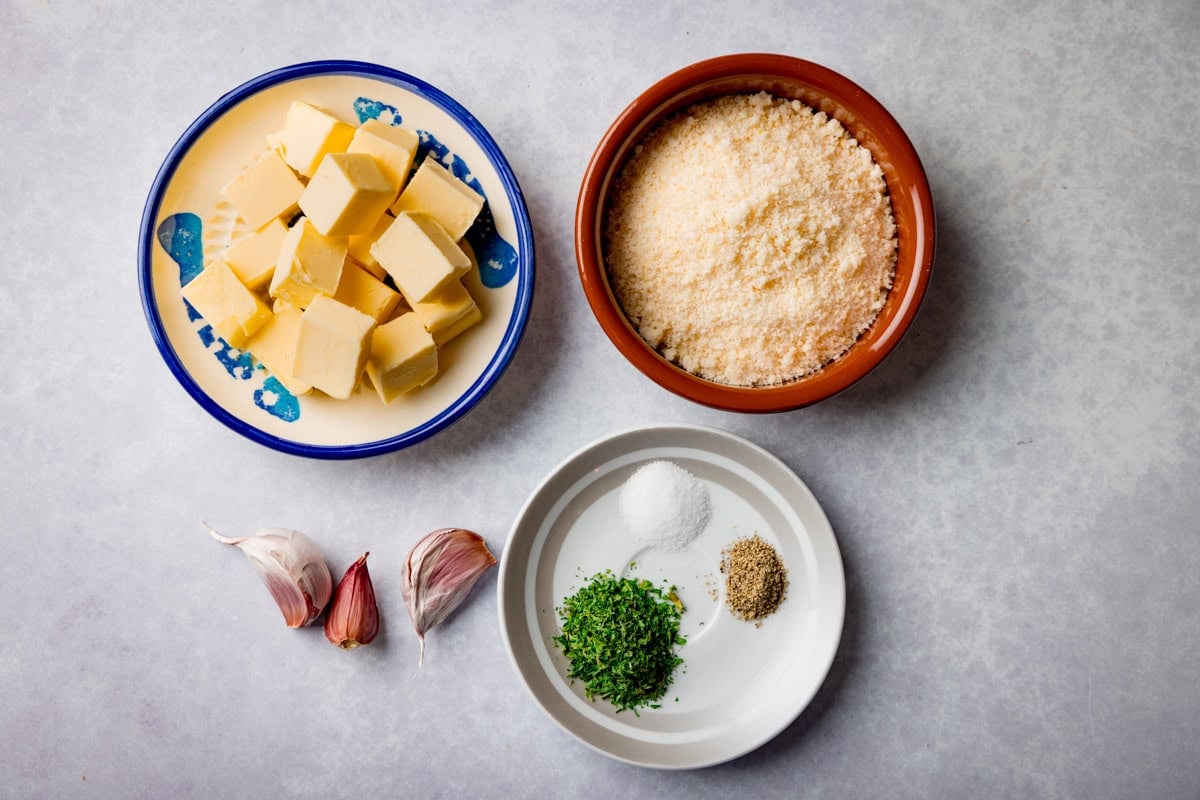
[(439, 574), (293, 568), (353, 619)]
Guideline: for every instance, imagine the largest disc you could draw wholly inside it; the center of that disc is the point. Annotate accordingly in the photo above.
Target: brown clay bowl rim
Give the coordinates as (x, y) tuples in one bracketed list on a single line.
[(866, 119)]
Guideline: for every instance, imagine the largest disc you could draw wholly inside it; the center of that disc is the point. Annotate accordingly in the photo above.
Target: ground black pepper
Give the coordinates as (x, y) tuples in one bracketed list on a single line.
[(755, 578)]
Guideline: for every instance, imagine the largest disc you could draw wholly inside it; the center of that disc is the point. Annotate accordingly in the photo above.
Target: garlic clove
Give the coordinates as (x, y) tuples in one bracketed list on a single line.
[(439, 574), (353, 619), (293, 569)]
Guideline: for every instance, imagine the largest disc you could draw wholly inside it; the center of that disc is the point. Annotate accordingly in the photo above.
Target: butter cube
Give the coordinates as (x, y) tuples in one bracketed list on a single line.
[(232, 310), (419, 256), (309, 264), (274, 345), (448, 313), (435, 191), (403, 357), (346, 195), (360, 247), (367, 293), (264, 190), (393, 147), (332, 346), (279, 305), (308, 134), (253, 259)]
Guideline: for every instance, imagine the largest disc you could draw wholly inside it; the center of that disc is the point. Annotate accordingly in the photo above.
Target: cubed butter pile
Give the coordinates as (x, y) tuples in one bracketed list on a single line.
[(350, 266)]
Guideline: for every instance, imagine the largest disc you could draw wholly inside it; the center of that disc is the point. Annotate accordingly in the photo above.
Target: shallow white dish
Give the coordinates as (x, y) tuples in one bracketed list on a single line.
[(186, 222), (739, 685)]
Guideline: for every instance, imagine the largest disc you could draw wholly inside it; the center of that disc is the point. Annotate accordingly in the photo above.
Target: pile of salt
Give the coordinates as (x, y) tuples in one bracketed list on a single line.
[(664, 505)]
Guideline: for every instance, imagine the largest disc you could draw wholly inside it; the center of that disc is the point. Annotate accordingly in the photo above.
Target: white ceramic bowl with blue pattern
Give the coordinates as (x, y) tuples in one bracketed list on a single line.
[(186, 222)]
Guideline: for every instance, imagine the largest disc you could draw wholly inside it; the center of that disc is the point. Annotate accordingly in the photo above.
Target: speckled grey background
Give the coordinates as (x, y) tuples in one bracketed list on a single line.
[(1014, 491)]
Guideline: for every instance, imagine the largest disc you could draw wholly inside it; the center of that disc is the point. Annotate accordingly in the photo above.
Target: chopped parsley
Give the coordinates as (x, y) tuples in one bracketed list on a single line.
[(619, 635)]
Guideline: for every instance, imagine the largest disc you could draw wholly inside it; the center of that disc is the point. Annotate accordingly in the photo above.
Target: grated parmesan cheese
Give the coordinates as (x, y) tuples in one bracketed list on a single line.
[(750, 239)]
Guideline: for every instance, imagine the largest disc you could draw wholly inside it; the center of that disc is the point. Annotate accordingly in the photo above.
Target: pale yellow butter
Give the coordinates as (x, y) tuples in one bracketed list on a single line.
[(274, 346), (420, 256), (365, 292), (393, 147), (360, 248), (448, 313), (435, 191), (403, 357), (252, 259), (308, 134), (332, 346), (309, 264), (347, 195), (232, 310), (264, 190)]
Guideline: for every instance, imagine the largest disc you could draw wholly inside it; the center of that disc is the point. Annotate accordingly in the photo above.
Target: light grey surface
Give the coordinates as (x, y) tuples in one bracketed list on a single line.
[(1014, 490)]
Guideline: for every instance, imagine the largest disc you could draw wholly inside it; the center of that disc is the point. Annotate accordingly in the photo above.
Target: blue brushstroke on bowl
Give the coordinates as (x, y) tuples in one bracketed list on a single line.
[(180, 235), (277, 401)]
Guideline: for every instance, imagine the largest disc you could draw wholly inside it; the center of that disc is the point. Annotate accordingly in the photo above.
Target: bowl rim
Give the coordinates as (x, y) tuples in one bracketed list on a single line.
[(524, 276), (631, 124)]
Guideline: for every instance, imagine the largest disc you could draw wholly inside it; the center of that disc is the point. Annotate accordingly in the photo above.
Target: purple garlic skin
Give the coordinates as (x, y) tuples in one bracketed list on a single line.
[(440, 571), (293, 569), (353, 619)]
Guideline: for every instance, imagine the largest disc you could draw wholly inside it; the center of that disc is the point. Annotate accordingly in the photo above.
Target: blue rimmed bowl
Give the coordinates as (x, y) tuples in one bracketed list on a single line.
[(186, 222)]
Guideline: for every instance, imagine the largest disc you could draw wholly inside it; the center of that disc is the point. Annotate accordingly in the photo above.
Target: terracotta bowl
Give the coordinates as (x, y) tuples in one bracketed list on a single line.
[(865, 119)]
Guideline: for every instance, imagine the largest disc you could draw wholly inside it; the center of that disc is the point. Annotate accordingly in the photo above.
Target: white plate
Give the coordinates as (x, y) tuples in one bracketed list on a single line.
[(186, 222), (740, 684)]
